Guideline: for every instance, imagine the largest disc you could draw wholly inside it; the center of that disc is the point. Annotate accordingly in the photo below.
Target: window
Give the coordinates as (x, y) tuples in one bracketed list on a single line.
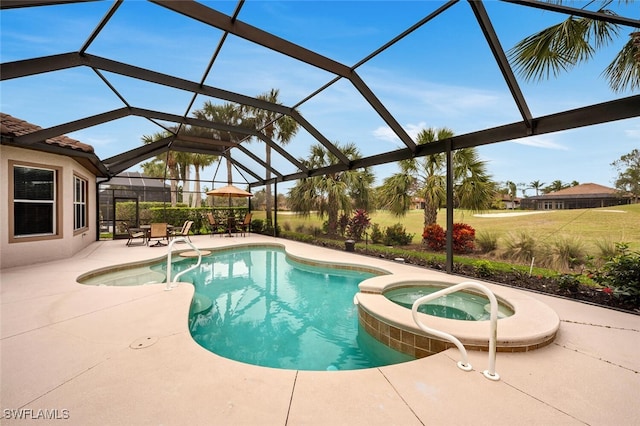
[(79, 203), (34, 201)]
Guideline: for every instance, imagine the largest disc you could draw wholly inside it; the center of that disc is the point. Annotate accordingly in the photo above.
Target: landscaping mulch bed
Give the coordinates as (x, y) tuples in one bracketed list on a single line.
[(517, 279)]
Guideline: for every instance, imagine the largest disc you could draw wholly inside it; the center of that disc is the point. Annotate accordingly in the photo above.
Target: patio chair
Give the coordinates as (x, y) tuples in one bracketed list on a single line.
[(134, 234), (245, 226), (184, 232), (158, 230), (214, 226)]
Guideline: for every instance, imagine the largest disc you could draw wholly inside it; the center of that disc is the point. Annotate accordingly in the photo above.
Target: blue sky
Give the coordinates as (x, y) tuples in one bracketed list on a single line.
[(442, 75)]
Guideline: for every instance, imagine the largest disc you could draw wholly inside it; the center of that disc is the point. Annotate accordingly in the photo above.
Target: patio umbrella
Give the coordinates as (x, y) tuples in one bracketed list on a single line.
[(229, 191)]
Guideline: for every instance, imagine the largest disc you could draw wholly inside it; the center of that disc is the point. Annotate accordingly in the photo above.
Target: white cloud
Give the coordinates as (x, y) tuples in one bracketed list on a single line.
[(633, 133), (385, 133), (541, 142)]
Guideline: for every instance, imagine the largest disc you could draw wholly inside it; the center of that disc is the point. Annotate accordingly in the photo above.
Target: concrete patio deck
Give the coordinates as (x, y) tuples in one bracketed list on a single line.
[(91, 355)]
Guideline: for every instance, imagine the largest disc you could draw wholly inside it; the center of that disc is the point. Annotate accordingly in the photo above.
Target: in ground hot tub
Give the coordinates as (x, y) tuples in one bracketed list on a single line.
[(461, 305), (530, 325)]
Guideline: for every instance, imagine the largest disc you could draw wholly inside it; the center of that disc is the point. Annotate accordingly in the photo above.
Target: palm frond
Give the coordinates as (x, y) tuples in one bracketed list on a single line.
[(552, 50), (624, 72)]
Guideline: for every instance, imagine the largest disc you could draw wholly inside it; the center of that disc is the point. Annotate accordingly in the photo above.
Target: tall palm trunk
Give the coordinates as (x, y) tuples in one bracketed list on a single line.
[(430, 213), (267, 192), (229, 172), (332, 213), (196, 201)]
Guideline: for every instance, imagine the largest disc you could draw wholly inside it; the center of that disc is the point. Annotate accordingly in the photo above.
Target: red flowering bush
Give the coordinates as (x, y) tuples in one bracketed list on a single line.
[(463, 237), (434, 236), (358, 224)]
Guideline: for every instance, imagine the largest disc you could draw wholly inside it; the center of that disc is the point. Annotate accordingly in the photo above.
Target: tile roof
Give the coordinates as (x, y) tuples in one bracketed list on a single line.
[(14, 127), (586, 189)]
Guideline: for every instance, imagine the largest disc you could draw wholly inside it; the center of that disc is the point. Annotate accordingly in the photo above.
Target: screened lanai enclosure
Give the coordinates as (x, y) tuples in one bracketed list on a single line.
[(164, 71)]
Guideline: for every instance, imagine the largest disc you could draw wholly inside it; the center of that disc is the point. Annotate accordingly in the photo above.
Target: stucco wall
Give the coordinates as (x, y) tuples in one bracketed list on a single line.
[(26, 252)]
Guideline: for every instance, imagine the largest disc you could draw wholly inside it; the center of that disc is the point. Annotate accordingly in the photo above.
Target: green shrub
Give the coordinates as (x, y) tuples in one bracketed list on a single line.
[(566, 253), (257, 225), (621, 274), (487, 241), (520, 247), (396, 235), (484, 268), (376, 234), (568, 282), (286, 226), (606, 249)]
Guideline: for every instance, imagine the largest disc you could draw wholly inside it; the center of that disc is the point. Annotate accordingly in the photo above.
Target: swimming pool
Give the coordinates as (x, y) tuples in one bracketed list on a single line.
[(260, 306)]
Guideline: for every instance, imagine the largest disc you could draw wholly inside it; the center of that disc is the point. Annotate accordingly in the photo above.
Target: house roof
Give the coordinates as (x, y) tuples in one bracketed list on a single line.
[(585, 190), (13, 128)]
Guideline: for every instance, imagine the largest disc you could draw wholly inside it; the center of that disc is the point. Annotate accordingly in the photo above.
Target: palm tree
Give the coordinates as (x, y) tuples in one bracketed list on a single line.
[(556, 185), (153, 168), (395, 193), (229, 114), (575, 40), (170, 162), (332, 192), (537, 185), (512, 190), (200, 161), (276, 127), (473, 188)]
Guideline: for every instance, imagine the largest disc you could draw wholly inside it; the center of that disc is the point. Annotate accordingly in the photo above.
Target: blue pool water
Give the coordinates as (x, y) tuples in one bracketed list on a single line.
[(259, 307)]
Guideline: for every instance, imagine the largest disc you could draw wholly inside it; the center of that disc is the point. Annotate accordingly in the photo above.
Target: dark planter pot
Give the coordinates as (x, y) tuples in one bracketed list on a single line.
[(350, 245)]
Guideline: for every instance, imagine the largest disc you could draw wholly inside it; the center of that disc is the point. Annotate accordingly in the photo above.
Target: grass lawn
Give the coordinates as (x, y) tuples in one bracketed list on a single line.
[(590, 226)]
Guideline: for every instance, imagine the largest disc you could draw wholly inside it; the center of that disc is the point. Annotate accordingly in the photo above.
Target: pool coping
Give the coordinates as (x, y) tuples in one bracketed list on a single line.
[(185, 254), (533, 324)]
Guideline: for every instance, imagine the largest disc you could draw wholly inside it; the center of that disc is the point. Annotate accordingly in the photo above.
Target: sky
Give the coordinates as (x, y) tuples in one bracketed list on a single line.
[(441, 75)]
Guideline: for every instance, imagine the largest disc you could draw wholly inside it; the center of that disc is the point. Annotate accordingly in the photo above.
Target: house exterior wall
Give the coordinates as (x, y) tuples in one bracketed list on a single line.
[(558, 203), (66, 242)]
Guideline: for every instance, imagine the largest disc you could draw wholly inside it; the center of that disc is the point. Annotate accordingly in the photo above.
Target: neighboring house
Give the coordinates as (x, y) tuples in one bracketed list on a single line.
[(508, 202), (417, 203), (584, 196), (48, 194)]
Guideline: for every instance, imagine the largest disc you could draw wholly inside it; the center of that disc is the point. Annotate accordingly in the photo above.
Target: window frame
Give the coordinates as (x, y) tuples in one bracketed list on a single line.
[(84, 203), (57, 202)]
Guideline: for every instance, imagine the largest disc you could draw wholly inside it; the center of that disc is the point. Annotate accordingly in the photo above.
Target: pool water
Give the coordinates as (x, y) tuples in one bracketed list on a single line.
[(459, 305), (259, 307)]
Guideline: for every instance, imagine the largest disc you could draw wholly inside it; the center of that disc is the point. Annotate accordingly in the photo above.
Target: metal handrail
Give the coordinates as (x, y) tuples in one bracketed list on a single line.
[(490, 373), (171, 284)]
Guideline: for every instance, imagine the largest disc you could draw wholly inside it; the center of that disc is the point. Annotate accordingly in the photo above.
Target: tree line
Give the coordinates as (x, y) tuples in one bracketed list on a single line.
[(542, 55)]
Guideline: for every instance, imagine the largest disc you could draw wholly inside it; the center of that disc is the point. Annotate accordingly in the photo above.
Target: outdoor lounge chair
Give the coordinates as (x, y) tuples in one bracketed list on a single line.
[(158, 230), (184, 232), (134, 234), (214, 226), (245, 226)]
